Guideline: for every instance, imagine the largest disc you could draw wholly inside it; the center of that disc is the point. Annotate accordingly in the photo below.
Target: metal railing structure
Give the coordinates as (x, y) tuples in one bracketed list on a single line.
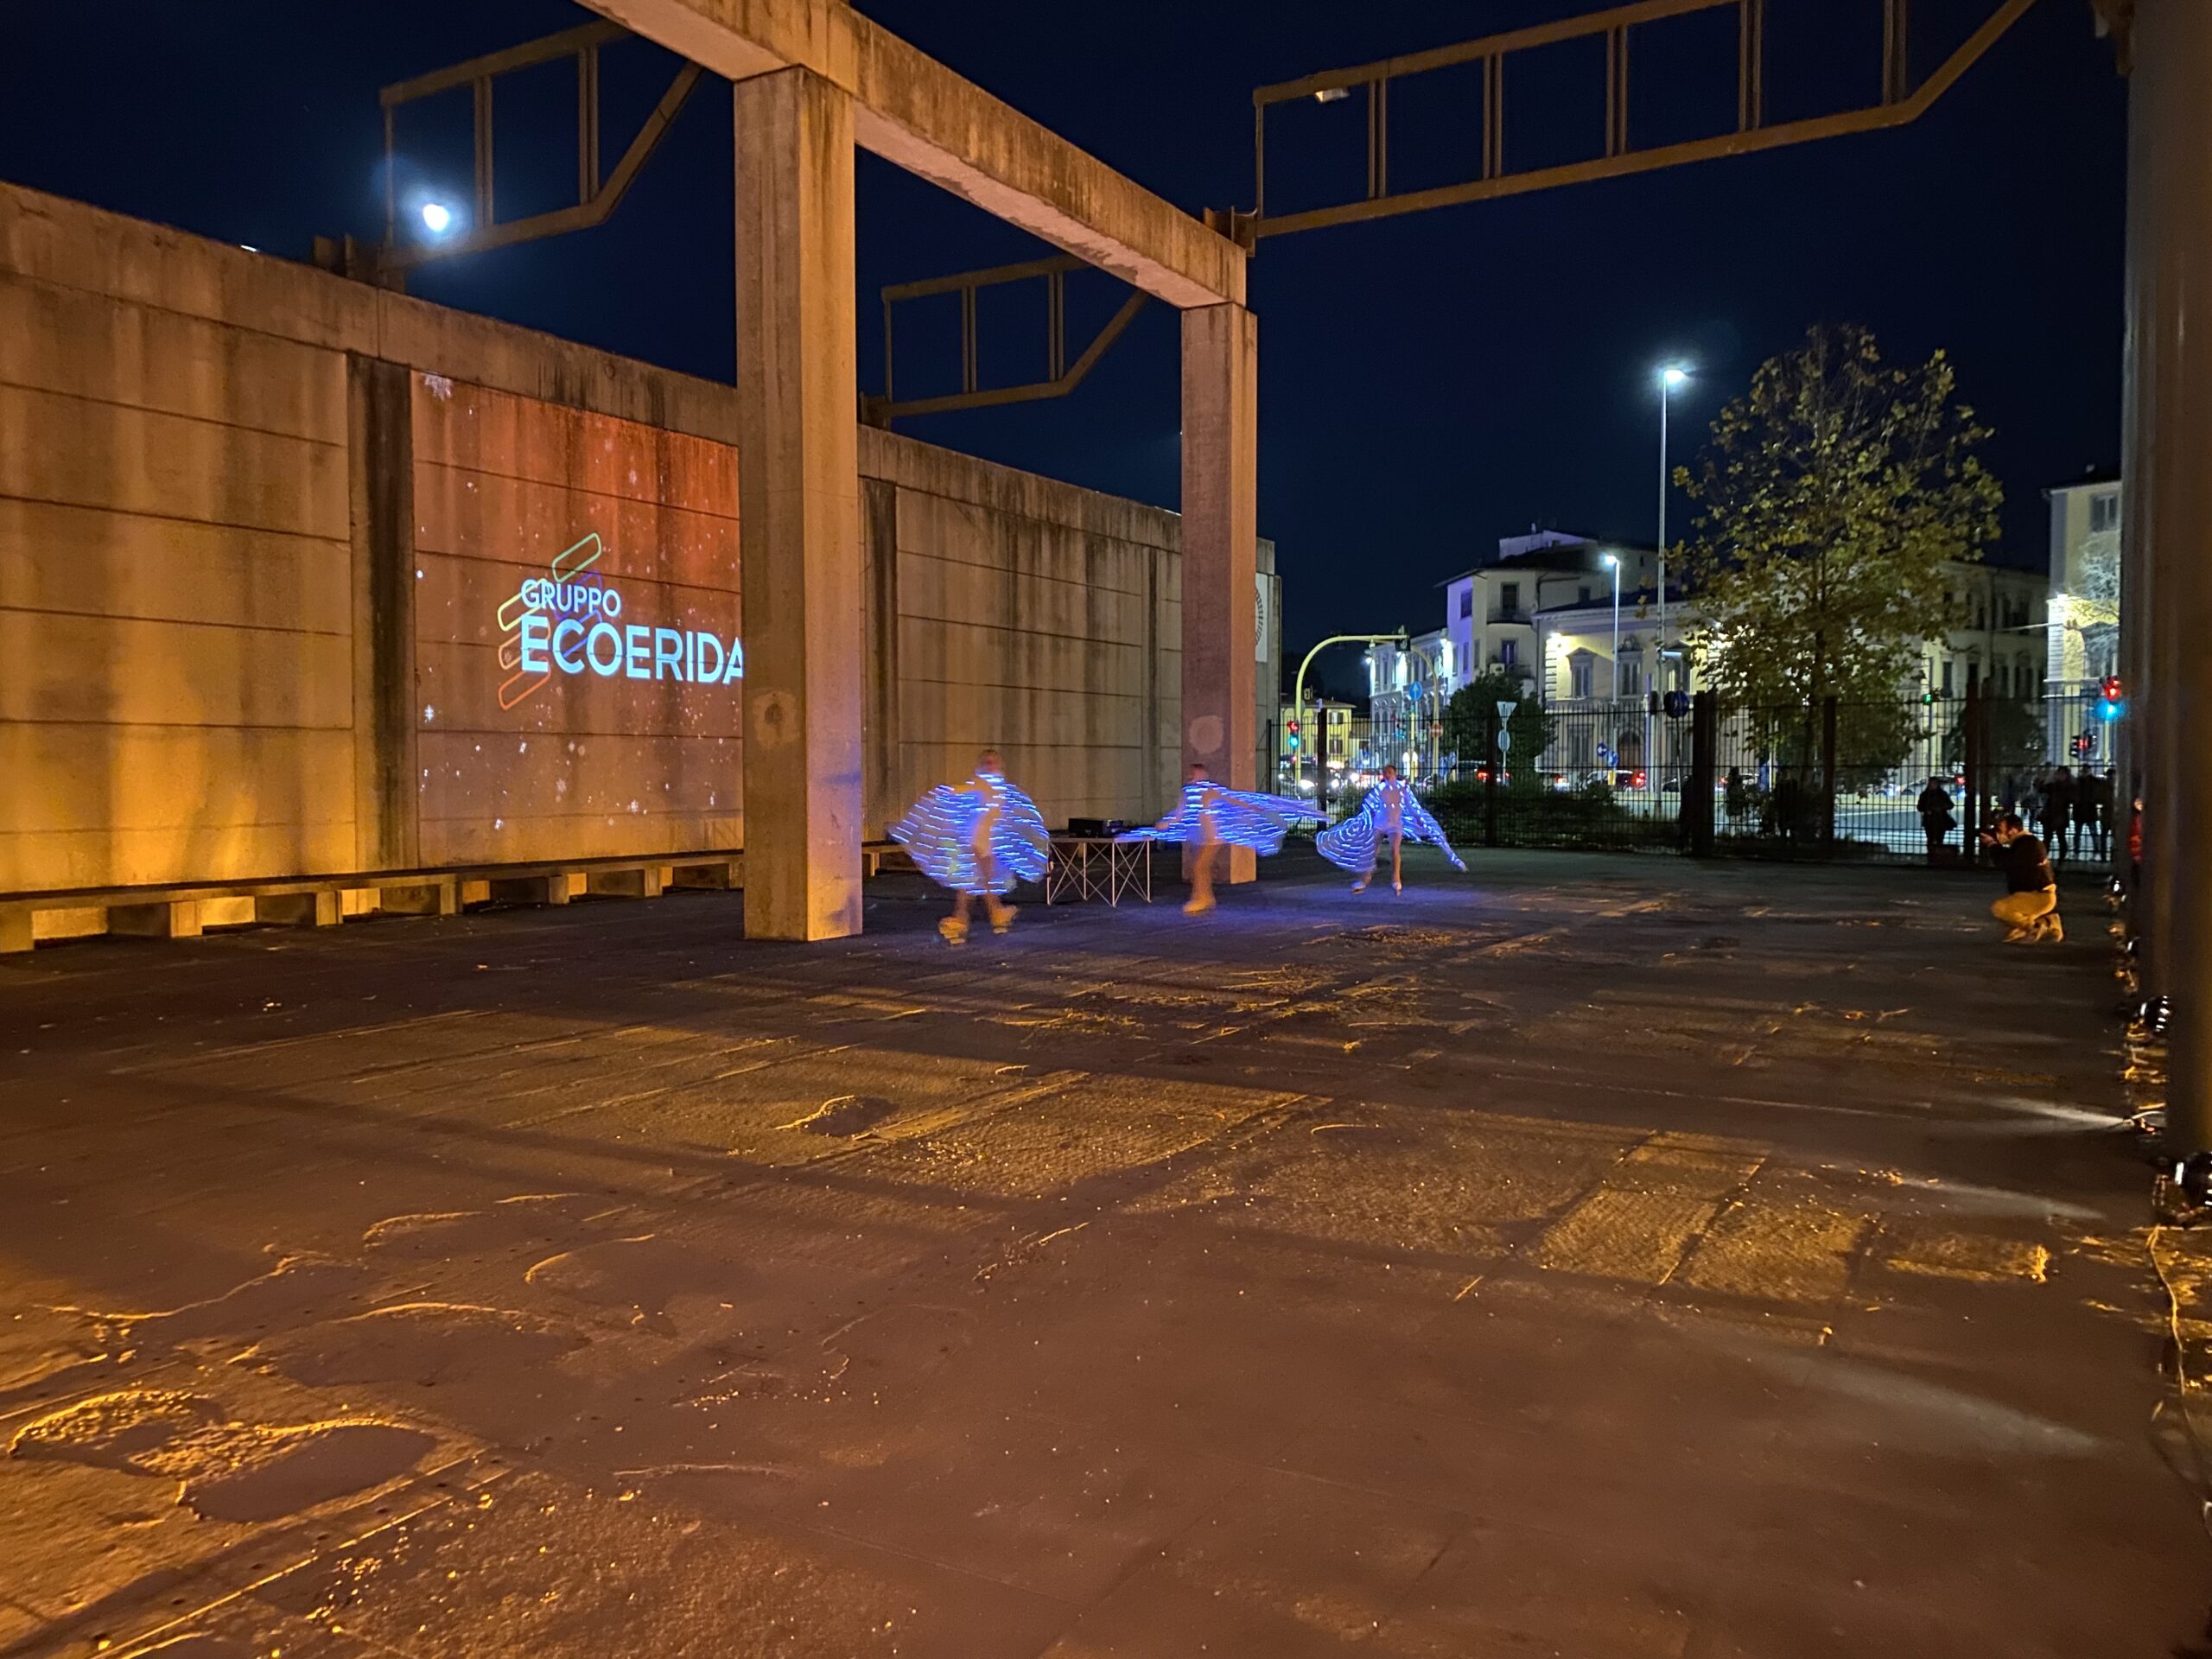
[(1836, 781)]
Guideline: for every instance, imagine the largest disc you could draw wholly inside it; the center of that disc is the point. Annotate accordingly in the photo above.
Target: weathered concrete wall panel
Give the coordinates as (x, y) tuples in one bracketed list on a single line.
[(529, 749), (258, 524)]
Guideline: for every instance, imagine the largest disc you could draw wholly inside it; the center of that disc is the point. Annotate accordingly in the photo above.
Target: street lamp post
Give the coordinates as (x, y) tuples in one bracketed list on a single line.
[(1298, 702), (1669, 377)]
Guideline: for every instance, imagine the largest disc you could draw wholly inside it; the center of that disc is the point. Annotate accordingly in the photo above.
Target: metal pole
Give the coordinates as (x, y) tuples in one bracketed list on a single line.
[(1664, 390), (1298, 686)]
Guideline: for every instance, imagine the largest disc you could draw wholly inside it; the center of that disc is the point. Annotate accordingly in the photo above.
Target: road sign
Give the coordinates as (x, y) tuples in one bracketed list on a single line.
[(1504, 742), (1505, 709)]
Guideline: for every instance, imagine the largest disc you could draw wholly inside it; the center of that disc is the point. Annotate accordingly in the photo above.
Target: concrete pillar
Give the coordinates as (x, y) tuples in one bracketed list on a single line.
[(2170, 499), (299, 909), (1221, 453), (798, 507), (172, 918)]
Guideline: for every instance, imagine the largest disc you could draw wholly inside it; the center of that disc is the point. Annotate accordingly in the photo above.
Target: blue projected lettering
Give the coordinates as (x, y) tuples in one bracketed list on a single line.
[(603, 631), (569, 627)]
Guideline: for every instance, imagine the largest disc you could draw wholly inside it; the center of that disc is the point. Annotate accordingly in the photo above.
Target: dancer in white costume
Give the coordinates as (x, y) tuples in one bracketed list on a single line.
[(978, 838), (1210, 818), (1393, 812)]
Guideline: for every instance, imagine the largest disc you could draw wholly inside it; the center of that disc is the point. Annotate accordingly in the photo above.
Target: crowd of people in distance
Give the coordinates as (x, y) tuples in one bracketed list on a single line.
[(2073, 812)]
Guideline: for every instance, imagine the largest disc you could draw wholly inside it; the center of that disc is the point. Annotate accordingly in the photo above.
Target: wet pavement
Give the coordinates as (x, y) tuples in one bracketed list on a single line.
[(1602, 1258)]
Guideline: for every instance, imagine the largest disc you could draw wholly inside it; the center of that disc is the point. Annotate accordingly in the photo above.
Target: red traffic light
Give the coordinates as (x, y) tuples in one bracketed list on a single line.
[(2112, 691)]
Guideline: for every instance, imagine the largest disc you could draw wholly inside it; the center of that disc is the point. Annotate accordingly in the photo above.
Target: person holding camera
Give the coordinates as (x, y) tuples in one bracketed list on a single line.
[(2030, 906)]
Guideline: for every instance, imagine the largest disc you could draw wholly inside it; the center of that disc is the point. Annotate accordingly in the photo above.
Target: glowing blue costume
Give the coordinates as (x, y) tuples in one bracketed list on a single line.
[(1390, 808), (984, 835), (1236, 817)]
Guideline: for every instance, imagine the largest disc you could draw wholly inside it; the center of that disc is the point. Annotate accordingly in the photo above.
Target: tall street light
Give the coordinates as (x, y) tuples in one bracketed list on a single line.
[(1671, 376), (1613, 563)]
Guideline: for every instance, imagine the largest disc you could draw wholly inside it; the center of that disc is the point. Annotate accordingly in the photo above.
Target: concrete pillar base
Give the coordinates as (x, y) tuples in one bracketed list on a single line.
[(176, 918), (723, 875), (531, 889), (440, 897), (299, 909), (627, 884)]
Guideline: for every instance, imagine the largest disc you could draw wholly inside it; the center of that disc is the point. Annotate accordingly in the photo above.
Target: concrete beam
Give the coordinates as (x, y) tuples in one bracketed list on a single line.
[(911, 109), (798, 500)]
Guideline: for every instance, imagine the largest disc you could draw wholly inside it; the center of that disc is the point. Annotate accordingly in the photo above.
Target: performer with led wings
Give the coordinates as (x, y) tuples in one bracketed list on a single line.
[(978, 838), (1391, 811), (1210, 817)]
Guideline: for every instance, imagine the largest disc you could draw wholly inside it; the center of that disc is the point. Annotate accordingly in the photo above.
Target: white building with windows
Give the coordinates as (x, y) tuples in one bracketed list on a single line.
[(2082, 636), (1501, 614), (1407, 686)]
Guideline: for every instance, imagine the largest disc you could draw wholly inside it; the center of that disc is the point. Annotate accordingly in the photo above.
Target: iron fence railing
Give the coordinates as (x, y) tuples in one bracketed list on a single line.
[(1899, 781)]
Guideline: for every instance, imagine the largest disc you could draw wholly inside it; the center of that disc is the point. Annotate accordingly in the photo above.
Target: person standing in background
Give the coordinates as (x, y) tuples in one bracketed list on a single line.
[(1936, 821), (2057, 813)]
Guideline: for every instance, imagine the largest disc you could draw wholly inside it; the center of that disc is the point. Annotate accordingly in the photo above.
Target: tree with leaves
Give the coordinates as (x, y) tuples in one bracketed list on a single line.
[(1830, 497), (1473, 707)]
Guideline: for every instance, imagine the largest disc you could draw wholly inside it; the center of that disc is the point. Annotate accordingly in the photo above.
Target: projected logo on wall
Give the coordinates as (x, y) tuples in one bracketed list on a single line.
[(571, 622)]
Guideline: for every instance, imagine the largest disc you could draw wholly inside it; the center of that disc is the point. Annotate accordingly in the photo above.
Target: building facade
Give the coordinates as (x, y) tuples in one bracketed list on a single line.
[(2082, 636)]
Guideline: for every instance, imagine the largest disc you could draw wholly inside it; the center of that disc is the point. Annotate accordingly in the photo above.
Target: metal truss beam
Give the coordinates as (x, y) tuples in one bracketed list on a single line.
[(1901, 102), (597, 195), (1062, 375)]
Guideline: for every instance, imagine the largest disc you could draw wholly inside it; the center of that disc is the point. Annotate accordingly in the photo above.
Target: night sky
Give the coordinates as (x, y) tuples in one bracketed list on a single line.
[(1427, 384)]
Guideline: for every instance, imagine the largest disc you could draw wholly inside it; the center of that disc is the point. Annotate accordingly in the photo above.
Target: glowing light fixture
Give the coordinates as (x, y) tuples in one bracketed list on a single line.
[(437, 218)]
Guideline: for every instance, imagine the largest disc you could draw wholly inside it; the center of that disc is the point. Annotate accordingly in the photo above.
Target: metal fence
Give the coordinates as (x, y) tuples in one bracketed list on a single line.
[(1840, 780)]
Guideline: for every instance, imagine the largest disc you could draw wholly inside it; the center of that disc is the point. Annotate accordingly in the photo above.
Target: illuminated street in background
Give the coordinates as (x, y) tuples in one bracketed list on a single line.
[(1597, 1257)]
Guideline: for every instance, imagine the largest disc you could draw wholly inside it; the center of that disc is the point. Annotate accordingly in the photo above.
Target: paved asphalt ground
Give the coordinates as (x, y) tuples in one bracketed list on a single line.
[(1599, 1258)]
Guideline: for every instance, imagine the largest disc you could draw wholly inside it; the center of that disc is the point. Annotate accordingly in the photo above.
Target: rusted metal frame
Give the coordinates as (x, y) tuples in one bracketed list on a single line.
[(1493, 116), (582, 216), (390, 184), (1896, 50), (588, 124), (1746, 141), (566, 44), (968, 338), (1751, 64), (1259, 160), (1378, 137), (886, 410), (1443, 57), (1056, 324), (483, 98), (1617, 91), (992, 277)]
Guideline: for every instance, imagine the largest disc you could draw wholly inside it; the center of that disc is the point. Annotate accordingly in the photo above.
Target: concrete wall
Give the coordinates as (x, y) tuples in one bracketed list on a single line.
[(257, 525)]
